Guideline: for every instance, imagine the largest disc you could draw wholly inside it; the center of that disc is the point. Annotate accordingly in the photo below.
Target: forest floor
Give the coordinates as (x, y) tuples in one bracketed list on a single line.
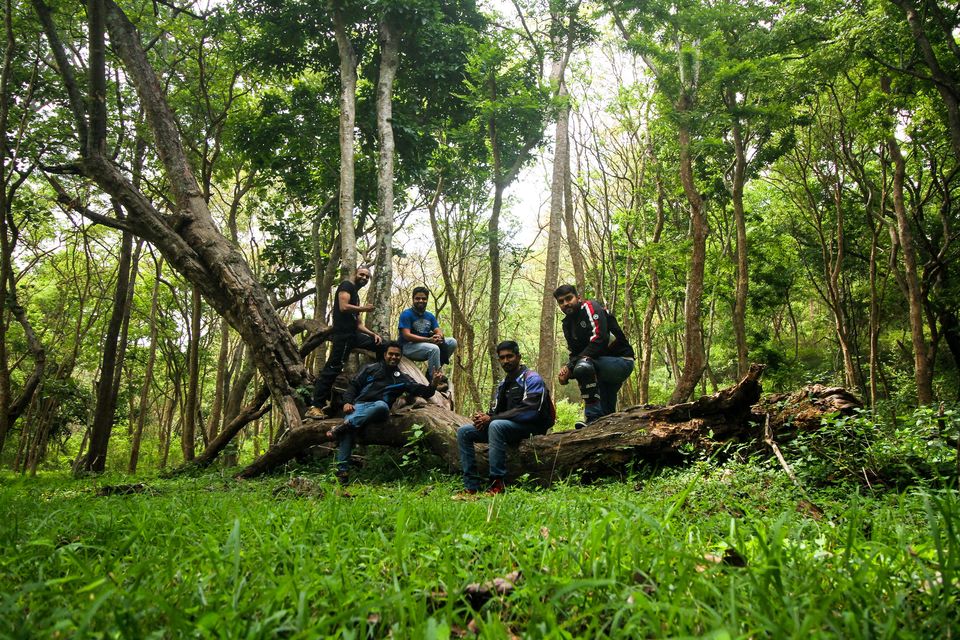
[(717, 550)]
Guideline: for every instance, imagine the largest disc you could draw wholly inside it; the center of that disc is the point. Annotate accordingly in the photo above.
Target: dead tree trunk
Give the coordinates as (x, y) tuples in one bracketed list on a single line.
[(605, 448)]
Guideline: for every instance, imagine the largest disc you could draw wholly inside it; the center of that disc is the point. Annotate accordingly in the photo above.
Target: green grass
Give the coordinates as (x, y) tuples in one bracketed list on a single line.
[(209, 557)]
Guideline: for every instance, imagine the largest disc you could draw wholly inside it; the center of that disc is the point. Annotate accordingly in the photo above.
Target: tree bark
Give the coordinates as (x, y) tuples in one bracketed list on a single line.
[(147, 376), (739, 219), (694, 359), (383, 267), (105, 412), (348, 116), (188, 435)]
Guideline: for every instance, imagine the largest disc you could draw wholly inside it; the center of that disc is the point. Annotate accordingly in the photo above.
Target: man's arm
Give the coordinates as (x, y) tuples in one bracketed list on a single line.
[(362, 328), (343, 300)]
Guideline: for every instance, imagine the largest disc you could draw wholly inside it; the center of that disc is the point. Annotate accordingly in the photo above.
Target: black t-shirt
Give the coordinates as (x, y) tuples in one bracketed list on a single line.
[(345, 321)]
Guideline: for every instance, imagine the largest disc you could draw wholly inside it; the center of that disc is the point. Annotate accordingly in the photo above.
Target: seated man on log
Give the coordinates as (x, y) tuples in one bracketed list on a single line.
[(368, 398), (600, 360), (422, 339), (348, 334), (521, 408)]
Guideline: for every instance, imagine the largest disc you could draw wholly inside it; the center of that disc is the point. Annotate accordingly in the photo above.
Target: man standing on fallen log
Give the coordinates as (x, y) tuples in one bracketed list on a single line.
[(601, 359), (348, 334), (422, 338), (368, 398), (521, 408)]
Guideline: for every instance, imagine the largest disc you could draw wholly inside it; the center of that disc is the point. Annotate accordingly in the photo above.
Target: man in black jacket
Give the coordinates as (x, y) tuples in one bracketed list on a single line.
[(348, 334), (600, 360), (521, 408), (368, 398)]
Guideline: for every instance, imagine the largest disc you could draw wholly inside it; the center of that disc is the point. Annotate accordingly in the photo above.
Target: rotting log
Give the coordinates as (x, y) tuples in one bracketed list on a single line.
[(606, 447)]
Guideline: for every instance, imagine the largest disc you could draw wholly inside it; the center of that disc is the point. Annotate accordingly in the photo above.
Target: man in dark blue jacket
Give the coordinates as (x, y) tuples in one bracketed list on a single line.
[(368, 398), (521, 408), (600, 360)]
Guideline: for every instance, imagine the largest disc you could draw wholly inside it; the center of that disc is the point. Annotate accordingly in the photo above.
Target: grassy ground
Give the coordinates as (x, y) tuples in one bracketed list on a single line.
[(718, 551)]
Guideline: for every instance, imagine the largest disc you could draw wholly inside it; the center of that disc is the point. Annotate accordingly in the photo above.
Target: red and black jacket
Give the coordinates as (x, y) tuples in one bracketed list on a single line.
[(592, 332)]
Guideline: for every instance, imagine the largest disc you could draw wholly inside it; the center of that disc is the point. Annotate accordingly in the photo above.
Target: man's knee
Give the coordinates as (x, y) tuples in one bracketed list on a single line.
[(466, 432), (451, 344), (584, 370), (380, 408)]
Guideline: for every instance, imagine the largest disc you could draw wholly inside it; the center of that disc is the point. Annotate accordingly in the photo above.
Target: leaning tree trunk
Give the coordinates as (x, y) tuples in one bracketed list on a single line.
[(189, 239), (348, 116)]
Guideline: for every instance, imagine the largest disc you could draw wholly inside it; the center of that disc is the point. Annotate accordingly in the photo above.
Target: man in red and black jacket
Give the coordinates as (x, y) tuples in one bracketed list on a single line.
[(600, 360)]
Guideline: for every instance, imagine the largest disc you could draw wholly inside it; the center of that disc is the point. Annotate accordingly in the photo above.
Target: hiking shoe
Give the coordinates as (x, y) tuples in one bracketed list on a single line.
[(315, 412), (342, 477), (337, 432), (496, 487), (466, 494), (579, 424), (443, 385)]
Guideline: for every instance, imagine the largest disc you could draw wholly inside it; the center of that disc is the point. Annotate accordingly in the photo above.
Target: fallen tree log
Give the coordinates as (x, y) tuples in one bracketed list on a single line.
[(606, 447)]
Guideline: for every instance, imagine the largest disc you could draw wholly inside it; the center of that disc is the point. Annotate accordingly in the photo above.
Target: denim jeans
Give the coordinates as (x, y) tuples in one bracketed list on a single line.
[(435, 355), (499, 434), (611, 374), (363, 413), (341, 346)]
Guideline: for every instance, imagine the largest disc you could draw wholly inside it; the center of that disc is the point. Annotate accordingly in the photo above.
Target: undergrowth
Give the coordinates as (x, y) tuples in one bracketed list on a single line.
[(723, 551)]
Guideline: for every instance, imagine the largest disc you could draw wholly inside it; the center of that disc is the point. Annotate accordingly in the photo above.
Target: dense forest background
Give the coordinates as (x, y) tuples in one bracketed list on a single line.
[(738, 180)]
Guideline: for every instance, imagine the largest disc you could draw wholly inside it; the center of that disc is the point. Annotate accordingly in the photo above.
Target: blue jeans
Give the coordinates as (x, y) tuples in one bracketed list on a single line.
[(435, 355), (610, 374), (363, 413), (499, 434)]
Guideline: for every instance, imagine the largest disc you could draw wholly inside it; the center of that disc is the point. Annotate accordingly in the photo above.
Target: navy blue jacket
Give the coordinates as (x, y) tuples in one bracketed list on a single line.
[(377, 381), (523, 397)]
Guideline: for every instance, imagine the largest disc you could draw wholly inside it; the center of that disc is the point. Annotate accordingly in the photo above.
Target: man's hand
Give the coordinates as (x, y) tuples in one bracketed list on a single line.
[(364, 308), (377, 339), (348, 408), (481, 421), (437, 338), (564, 376)]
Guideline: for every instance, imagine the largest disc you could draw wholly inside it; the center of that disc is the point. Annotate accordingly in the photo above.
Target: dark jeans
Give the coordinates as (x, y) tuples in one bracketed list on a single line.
[(499, 434), (363, 414), (608, 375), (341, 346)]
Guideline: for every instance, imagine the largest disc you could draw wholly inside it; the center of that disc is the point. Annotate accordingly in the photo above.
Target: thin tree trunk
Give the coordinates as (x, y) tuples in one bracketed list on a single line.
[(573, 239), (382, 285), (189, 435), (348, 116), (694, 357), (103, 418), (216, 407), (742, 274), (147, 376)]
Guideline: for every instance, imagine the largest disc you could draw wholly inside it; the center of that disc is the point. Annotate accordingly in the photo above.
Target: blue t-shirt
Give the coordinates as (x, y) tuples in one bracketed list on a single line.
[(420, 325)]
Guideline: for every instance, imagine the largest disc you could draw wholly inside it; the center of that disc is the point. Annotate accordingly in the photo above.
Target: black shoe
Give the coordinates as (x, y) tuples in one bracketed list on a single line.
[(579, 424), (342, 477)]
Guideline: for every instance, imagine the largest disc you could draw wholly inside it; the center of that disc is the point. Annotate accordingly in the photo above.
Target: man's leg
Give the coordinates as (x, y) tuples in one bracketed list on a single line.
[(365, 341), (585, 373), (612, 372), (446, 350), (339, 350), (503, 433), (424, 351), (363, 413), (467, 436)]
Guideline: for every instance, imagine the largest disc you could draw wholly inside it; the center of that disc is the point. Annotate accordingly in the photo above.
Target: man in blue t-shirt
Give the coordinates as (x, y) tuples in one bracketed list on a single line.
[(421, 337)]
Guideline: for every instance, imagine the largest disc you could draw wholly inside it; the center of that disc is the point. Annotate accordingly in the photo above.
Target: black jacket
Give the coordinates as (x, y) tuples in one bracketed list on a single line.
[(524, 398), (377, 381), (592, 332)]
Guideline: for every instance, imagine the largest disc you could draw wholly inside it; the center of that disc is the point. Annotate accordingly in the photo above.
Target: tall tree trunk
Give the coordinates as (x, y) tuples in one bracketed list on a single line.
[(216, 407), (105, 411), (694, 357), (147, 376), (922, 363), (348, 116), (189, 434), (382, 285), (573, 239), (739, 219), (548, 305)]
